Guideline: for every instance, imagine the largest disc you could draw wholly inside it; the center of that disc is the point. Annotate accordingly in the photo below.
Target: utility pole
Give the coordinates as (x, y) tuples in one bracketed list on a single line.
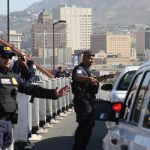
[(44, 47), (8, 20), (60, 21)]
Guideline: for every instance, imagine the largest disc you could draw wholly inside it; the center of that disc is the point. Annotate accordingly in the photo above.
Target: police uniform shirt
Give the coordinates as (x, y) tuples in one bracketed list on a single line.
[(80, 72), (30, 89)]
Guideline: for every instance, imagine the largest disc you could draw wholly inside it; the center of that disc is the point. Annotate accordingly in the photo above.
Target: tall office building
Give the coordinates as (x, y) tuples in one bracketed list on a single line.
[(142, 43), (79, 25), (98, 43), (42, 35), (115, 44)]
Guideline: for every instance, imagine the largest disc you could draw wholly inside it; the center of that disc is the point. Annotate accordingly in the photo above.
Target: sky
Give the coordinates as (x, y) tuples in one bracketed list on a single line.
[(15, 5)]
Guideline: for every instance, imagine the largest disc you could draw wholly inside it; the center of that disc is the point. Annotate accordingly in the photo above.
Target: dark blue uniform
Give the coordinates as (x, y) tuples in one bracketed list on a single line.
[(61, 74), (84, 95), (26, 73), (7, 110)]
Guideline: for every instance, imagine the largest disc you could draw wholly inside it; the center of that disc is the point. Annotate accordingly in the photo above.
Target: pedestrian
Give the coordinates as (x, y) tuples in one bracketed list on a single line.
[(10, 84), (84, 88), (61, 73)]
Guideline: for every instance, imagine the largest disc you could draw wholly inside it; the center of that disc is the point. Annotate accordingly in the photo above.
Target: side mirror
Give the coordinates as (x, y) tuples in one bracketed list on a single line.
[(107, 87)]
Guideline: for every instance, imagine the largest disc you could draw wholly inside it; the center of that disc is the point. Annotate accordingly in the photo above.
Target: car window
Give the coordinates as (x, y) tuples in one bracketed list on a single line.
[(146, 122), (140, 99), (131, 94), (125, 81)]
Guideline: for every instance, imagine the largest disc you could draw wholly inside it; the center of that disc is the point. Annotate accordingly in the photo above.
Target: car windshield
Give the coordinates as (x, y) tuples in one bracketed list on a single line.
[(125, 81)]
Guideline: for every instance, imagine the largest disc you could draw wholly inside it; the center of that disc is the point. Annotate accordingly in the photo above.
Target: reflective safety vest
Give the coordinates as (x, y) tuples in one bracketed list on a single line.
[(8, 92)]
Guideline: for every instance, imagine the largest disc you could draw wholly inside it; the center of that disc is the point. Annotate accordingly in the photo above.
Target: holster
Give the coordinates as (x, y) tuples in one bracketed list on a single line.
[(14, 118), (83, 103)]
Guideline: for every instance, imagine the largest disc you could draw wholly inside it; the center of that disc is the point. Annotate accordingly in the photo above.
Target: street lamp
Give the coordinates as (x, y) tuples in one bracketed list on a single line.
[(60, 21), (8, 20)]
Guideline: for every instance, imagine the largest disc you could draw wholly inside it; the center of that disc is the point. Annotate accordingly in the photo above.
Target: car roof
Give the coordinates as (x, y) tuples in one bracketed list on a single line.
[(124, 71), (127, 69), (145, 64), (130, 68)]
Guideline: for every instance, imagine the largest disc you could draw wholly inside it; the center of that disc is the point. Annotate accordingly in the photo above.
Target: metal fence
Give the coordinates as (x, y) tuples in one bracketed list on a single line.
[(34, 118)]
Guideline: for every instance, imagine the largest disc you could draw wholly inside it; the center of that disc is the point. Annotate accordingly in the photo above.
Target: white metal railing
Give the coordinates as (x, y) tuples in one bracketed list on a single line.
[(30, 115)]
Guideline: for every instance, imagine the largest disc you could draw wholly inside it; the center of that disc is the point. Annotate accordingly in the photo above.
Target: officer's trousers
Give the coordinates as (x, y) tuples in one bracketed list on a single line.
[(11, 147), (83, 131), (6, 135)]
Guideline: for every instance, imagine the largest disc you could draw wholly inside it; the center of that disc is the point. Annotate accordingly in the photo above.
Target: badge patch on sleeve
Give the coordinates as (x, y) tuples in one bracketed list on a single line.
[(79, 71), (5, 81), (14, 81)]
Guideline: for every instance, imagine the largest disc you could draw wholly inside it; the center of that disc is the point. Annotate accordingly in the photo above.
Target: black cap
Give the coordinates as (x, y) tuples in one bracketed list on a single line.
[(88, 53), (5, 50), (60, 67)]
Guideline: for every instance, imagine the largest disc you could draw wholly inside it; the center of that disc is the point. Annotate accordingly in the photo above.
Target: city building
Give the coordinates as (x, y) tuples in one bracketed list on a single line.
[(15, 38), (142, 43), (79, 25), (47, 39), (98, 43), (42, 35), (118, 44)]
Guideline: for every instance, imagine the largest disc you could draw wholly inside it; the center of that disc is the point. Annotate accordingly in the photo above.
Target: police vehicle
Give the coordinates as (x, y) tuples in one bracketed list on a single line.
[(131, 130)]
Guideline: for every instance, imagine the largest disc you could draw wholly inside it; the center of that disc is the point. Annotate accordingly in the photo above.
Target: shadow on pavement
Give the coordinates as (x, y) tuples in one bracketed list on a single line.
[(56, 143), (66, 142)]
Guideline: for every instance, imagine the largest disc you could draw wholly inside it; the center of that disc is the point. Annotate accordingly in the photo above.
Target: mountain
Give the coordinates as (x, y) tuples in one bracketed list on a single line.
[(107, 11), (104, 11)]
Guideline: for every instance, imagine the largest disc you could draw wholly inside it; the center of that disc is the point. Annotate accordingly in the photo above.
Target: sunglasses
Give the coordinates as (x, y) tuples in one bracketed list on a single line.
[(6, 56)]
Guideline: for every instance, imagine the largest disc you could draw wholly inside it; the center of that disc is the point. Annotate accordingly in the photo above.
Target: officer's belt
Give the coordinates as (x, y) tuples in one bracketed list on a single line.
[(88, 95), (6, 116)]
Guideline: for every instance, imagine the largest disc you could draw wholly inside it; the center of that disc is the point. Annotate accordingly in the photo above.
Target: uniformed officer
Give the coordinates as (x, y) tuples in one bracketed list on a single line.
[(10, 83), (25, 69), (81, 77), (61, 73)]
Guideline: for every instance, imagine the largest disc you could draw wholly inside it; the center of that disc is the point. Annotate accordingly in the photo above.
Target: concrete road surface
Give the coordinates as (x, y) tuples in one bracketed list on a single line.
[(60, 137)]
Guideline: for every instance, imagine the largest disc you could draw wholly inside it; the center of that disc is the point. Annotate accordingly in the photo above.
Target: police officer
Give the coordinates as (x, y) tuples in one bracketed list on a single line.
[(10, 83), (61, 73), (84, 88), (83, 99), (25, 69)]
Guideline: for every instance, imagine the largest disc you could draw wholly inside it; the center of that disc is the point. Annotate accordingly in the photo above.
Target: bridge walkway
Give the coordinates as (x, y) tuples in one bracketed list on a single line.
[(60, 136)]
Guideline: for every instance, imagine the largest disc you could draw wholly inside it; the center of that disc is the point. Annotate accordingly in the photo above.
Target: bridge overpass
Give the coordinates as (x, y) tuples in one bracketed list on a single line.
[(34, 119)]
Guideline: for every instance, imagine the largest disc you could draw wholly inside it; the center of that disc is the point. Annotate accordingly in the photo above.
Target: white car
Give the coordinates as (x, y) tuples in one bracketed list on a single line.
[(131, 130), (119, 89)]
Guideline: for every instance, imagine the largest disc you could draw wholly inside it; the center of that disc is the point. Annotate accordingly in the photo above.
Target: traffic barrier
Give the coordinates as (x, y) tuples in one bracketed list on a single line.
[(21, 129), (67, 96), (34, 115), (49, 111), (60, 99), (42, 108), (54, 102), (63, 83)]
